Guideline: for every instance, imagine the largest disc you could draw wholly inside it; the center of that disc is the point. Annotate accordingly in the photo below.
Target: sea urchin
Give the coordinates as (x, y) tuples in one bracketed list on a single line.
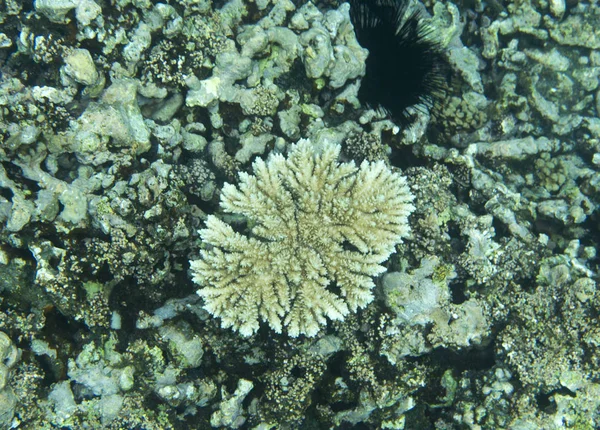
[(405, 67)]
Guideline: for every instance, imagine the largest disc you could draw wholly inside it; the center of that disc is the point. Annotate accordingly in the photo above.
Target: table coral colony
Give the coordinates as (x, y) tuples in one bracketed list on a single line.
[(302, 209)]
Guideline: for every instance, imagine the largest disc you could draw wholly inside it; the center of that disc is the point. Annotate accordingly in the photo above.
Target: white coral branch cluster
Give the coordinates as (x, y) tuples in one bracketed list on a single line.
[(320, 230)]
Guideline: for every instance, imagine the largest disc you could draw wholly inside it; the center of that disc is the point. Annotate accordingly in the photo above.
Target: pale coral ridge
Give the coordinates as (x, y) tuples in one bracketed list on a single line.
[(315, 224)]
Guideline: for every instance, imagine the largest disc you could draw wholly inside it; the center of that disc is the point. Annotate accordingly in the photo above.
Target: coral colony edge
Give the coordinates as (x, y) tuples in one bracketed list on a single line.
[(286, 214)]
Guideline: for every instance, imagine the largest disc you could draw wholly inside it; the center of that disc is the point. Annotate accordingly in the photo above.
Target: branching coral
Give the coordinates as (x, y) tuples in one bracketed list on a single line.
[(319, 233)]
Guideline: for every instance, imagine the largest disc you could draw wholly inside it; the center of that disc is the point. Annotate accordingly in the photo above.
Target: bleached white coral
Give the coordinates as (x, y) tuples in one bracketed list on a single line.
[(481, 254), (320, 230), (481, 245)]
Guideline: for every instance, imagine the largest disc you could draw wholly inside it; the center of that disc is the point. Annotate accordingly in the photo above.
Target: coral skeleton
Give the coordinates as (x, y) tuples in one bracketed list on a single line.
[(319, 231)]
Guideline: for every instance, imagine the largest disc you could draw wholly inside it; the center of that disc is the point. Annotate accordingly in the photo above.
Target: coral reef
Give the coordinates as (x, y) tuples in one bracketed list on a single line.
[(136, 136)]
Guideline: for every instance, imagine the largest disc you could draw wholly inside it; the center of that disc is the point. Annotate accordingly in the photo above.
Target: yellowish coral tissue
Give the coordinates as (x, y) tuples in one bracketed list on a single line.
[(319, 230)]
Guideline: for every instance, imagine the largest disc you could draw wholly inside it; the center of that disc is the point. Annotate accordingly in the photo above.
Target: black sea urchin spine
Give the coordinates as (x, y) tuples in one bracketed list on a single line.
[(406, 67)]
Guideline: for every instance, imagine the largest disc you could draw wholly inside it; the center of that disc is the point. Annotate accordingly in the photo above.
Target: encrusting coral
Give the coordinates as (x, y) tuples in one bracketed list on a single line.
[(319, 231)]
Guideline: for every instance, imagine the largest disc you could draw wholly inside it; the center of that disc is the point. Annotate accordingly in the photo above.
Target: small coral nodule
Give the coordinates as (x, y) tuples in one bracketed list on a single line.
[(320, 230)]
